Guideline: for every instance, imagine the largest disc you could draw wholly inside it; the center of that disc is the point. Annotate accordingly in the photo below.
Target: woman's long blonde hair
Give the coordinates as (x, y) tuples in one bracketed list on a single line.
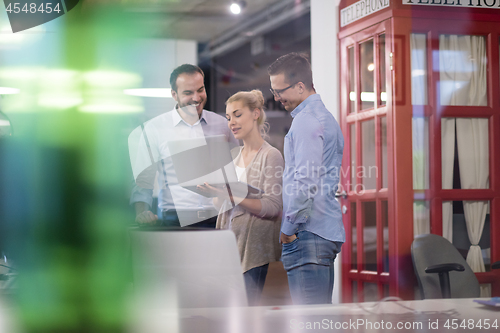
[(253, 100)]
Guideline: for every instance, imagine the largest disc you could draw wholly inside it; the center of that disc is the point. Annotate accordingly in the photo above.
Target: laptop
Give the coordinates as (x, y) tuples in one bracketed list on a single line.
[(207, 160)]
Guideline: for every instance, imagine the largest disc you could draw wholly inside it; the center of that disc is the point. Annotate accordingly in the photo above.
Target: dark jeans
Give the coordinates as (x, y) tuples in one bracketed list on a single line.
[(254, 283)]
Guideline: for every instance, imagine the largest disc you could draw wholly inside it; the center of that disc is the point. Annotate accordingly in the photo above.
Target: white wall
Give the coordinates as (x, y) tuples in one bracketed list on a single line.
[(155, 59), (186, 52), (325, 62)]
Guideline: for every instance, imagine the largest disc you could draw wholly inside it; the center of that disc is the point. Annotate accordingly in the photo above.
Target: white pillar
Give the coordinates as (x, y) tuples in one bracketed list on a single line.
[(325, 64), (324, 52)]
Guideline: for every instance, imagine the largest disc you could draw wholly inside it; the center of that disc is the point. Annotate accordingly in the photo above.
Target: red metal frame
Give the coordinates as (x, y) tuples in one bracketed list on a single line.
[(404, 20)]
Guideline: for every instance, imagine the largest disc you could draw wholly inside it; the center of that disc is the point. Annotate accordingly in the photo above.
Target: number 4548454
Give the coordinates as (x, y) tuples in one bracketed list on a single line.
[(471, 324), (32, 8)]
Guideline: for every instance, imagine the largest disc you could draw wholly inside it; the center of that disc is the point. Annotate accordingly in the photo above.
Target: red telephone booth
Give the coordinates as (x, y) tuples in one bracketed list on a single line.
[(420, 113)]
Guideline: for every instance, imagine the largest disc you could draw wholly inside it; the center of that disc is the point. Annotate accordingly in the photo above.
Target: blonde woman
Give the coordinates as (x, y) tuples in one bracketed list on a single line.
[(255, 220)]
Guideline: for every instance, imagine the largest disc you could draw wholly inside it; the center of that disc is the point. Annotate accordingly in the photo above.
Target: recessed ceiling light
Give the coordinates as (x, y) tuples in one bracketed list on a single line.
[(237, 6)]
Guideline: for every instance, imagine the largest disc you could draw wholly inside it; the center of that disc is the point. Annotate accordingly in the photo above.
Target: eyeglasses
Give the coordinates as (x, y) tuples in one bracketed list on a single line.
[(277, 93)]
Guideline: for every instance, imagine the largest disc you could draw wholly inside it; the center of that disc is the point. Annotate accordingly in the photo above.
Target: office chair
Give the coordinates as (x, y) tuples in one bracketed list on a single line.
[(435, 254)]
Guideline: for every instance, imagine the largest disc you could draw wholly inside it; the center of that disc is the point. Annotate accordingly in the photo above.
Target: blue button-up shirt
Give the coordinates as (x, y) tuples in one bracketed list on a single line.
[(313, 156)]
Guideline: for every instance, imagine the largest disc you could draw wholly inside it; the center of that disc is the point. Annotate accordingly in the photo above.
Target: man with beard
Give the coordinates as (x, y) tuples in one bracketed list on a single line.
[(187, 120)]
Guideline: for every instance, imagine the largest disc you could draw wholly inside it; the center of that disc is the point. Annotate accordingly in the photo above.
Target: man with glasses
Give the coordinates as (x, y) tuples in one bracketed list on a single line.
[(312, 232)]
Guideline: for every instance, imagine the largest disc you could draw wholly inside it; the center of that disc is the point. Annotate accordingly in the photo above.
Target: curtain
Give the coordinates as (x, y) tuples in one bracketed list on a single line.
[(472, 142), (418, 69)]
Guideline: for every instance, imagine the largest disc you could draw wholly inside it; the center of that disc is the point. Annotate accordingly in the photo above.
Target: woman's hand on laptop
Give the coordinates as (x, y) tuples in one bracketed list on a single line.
[(211, 191)]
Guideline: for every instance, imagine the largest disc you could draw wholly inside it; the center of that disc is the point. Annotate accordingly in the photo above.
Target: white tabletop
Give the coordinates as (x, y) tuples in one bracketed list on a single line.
[(453, 315)]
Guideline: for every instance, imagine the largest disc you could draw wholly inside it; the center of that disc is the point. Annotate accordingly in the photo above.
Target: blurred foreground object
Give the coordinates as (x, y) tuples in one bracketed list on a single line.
[(6, 128), (65, 238)]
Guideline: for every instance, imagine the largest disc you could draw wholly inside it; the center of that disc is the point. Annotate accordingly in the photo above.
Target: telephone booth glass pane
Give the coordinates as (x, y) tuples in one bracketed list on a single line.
[(418, 69), (352, 81), (352, 131), (366, 71), (420, 143), (469, 223), (421, 218), (354, 243), (383, 162), (385, 225), (462, 70), (370, 235), (383, 88), (465, 153), (369, 167), (370, 292)]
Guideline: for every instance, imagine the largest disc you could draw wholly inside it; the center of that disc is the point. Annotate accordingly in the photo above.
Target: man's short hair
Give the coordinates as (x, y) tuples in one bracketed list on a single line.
[(183, 69), (295, 67)]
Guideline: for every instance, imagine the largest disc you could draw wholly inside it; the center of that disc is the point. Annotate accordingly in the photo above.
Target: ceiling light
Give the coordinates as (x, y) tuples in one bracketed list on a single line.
[(149, 92), (237, 6), (111, 78), (8, 91), (371, 67), (110, 108)]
